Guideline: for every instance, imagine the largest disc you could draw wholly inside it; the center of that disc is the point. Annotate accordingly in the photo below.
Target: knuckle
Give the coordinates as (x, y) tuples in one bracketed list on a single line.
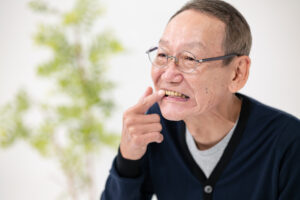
[(143, 101), (137, 140), (131, 108), (156, 117), (130, 120), (158, 127), (126, 121), (153, 137), (132, 129), (125, 124), (157, 136), (125, 115), (128, 112), (140, 141)]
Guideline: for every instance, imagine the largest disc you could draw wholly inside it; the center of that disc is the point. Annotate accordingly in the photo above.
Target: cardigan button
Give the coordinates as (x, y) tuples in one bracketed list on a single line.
[(208, 189)]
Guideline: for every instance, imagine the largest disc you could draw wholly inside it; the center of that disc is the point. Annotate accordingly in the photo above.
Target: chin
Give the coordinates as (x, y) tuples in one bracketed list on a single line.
[(172, 116), (171, 113)]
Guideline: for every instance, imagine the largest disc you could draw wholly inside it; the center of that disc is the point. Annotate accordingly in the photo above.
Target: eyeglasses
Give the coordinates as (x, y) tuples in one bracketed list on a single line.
[(185, 61)]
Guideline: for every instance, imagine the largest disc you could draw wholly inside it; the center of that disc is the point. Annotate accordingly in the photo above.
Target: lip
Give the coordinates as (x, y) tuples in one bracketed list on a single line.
[(174, 99)]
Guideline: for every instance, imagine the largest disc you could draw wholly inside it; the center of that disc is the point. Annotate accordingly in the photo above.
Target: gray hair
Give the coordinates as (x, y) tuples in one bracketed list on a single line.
[(237, 38)]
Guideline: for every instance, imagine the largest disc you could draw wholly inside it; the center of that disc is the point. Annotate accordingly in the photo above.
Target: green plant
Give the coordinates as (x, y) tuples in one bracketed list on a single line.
[(70, 126)]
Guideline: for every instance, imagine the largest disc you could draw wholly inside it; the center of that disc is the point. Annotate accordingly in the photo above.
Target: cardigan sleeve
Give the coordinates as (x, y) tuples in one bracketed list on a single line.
[(128, 168), (128, 180), (289, 174)]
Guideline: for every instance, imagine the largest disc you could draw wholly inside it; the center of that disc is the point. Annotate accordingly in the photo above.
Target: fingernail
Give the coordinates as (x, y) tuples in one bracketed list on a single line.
[(161, 92), (160, 141)]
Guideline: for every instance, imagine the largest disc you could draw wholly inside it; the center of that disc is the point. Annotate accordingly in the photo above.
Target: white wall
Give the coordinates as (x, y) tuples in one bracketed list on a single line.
[(139, 24)]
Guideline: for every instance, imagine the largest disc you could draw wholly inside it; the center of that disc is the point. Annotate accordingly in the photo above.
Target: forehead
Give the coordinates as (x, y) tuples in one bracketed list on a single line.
[(193, 29)]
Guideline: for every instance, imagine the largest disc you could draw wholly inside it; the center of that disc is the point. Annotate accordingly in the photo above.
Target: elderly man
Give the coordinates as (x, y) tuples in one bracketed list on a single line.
[(199, 138)]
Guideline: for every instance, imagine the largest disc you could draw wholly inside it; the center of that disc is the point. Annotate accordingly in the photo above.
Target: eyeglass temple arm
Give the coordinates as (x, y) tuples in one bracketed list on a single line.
[(219, 57), (205, 59), (152, 49)]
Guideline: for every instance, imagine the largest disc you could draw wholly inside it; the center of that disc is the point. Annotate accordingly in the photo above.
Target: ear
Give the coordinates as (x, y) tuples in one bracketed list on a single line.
[(240, 73)]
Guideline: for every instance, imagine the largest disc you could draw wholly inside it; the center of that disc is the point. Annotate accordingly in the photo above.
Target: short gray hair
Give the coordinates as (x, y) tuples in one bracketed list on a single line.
[(237, 38)]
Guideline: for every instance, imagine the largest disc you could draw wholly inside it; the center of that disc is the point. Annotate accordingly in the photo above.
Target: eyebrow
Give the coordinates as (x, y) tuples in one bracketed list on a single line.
[(190, 44)]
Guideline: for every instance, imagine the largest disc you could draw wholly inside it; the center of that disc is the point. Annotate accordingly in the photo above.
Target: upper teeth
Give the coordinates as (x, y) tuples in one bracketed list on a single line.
[(173, 93)]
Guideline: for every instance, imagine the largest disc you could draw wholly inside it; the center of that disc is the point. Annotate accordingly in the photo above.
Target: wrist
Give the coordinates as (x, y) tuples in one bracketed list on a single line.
[(128, 168)]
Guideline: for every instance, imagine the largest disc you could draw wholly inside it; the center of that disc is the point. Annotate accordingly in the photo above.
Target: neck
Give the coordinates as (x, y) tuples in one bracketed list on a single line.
[(210, 128)]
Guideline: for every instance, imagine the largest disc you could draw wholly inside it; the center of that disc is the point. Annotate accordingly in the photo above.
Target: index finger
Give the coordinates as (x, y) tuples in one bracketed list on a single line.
[(148, 100)]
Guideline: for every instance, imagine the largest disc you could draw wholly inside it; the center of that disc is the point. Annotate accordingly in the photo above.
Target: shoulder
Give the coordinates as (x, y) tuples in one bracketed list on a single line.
[(264, 117), (259, 109)]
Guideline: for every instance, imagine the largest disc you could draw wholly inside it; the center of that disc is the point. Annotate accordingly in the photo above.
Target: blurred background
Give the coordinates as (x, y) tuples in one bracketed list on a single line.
[(32, 168)]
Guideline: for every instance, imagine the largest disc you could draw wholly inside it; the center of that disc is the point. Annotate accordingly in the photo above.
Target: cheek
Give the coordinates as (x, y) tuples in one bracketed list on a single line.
[(211, 91), (207, 91), (155, 75), (204, 95)]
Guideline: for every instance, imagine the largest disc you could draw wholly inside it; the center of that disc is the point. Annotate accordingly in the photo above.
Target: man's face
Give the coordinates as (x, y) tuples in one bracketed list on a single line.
[(207, 86)]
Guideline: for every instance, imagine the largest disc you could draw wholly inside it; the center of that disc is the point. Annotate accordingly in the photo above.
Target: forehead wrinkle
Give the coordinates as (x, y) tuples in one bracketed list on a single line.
[(191, 45)]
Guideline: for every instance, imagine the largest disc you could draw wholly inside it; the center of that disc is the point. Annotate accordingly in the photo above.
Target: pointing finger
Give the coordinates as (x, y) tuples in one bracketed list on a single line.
[(148, 91), (149, 99)]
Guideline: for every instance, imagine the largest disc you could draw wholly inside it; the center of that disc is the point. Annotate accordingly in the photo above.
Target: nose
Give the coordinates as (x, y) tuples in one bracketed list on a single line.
[(170, 58), (171, 73)]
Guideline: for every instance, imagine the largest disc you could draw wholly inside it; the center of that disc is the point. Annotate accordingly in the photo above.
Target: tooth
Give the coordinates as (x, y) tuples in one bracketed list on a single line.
[(173, 93)]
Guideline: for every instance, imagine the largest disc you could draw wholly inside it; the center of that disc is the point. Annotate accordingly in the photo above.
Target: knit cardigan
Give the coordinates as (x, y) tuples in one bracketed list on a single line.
[(260, 162)]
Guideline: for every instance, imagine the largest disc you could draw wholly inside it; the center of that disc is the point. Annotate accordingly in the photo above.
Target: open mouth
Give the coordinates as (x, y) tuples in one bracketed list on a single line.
[(169, 93)]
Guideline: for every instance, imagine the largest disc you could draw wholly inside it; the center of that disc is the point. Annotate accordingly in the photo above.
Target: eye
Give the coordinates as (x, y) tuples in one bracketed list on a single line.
[(161, 55), (189, 58)]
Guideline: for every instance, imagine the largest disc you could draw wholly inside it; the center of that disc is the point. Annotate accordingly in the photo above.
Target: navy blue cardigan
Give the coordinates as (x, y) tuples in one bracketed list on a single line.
[(261, 162)]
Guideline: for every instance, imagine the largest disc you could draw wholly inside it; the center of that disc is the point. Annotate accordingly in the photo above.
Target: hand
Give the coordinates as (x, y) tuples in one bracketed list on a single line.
[(139, 129)]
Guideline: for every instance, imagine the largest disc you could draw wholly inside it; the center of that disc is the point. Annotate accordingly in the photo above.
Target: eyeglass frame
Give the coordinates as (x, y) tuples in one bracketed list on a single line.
[(196, 60)]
